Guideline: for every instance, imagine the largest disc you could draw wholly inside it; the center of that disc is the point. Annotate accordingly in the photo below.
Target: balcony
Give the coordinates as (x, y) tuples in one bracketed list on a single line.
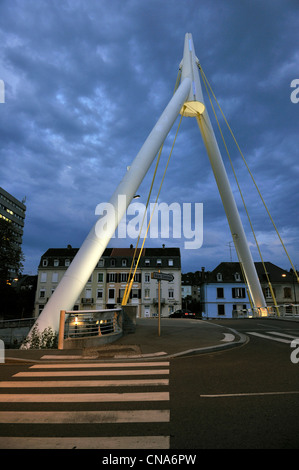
[(86, 301)]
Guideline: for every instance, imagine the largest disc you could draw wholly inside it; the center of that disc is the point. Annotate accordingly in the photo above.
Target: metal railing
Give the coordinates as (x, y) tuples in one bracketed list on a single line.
[(284, 310), (89, 323)]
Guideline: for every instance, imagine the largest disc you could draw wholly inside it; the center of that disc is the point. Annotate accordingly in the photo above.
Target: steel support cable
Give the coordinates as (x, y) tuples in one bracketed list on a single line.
[(240, 191), (244, 160), (129, 283), (131, 278)]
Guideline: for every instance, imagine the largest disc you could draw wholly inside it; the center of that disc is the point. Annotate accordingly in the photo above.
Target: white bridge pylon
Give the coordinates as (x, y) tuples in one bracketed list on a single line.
[(187, 100)]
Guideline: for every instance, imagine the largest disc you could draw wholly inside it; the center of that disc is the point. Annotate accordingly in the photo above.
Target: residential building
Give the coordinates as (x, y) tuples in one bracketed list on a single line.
[(13, 211), (106, 286), (224, 293)]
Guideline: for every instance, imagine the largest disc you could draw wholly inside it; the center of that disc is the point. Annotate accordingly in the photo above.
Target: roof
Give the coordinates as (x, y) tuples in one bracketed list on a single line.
[(229, 269), (118, 253)]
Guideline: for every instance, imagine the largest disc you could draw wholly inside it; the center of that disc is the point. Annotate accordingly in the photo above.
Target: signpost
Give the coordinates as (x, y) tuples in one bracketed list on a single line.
[(161, 277)]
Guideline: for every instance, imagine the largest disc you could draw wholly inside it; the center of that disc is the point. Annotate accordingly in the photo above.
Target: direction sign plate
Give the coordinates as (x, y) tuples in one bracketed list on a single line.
[(162, 276)]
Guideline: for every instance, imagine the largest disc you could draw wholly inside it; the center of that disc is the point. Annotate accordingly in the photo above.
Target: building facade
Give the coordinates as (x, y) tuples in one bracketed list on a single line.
[(13, 211), (224, 293), (107, 284)]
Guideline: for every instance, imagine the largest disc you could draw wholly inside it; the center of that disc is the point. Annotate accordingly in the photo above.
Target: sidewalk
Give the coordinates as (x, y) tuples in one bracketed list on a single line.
[(178, 337)]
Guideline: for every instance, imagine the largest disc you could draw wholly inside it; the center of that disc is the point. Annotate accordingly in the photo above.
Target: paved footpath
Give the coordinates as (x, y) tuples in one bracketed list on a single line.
[(178, 337)]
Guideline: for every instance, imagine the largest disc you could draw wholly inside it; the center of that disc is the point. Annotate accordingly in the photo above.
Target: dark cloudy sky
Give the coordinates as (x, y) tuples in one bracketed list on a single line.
[(85, 82)]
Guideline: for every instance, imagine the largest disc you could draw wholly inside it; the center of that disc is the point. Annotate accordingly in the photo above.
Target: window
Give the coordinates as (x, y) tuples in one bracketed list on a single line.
[(55, 277), (287, 293), (45, 262), (99, 293), (147, 293), (147, 278), (88, 293), (124, 277), (111, 293), (67, 262), (220, 293), (238, 293), (101, 263), (43, 277), (90, 279), (170, 262), (111, 277), (56, 262), (159, 262), (124, 262), (267, 293), (137, 277), (135, 293), (147, 262), (221, 309), (112, 262), (237, 277), (219, 277), (121, 295), (170, 293), (100, 277), (42, 293)]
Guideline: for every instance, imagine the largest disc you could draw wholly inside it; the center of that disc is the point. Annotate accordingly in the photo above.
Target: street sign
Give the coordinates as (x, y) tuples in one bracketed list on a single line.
[(162, 276)]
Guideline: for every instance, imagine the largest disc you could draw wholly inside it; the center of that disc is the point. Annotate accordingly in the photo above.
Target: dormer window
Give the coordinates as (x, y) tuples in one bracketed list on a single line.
[(237, 277), (219, 277), (45, 262), (124, 262)]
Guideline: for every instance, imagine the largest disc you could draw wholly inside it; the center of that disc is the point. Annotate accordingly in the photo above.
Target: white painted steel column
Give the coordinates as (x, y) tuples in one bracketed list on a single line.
[(195, 107), (231, 210), (78, 273)]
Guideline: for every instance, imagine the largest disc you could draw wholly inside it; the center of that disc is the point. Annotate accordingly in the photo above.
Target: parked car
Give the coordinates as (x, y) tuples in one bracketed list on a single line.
[(182, 314)]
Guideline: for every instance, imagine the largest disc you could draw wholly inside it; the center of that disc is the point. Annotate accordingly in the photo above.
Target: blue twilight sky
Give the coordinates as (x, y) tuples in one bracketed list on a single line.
[(85, 82)]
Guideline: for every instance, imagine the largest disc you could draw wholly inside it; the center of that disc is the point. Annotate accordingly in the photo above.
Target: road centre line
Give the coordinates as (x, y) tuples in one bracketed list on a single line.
[(79, 417), (83, 397), (84, 383), (92, 373), (227, 395), (98, 365)]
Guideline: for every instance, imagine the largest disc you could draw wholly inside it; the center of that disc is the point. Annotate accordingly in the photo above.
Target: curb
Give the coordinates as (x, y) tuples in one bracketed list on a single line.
[(243, 339)]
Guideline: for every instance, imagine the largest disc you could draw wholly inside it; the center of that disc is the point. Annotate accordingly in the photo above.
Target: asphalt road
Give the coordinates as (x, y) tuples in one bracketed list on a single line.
[(242, 398), (245, 398)]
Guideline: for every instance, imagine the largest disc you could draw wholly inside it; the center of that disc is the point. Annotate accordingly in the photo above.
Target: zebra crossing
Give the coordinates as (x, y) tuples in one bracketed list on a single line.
[(275, 336), (86, 406)]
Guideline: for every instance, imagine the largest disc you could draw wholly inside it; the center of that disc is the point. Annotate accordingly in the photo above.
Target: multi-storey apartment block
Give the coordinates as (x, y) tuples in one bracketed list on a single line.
[(106, 286), (13, 211)]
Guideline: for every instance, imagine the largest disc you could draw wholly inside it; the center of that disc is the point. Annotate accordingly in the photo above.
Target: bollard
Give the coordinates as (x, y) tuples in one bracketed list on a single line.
[(61, 329)]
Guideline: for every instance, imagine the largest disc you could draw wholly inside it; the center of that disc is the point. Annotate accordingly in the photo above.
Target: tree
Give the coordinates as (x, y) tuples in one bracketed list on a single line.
[(11, 256)]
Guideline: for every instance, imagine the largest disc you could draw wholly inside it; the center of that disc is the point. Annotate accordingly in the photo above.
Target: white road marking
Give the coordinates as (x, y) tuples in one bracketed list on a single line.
[(78, 417), (225, 395), (83, 397), (228, 338), (92, 373), (98, 365), (281, 340), (84, 383)]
